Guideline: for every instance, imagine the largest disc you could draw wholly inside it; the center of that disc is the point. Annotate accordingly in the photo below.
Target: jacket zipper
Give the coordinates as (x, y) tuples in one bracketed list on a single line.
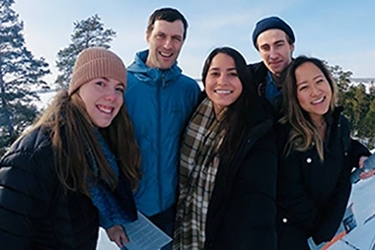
[(159, 144)]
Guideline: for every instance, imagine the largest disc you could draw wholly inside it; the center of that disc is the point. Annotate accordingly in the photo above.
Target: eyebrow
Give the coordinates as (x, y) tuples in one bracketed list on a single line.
[(314, 78), (228, 69), (279, 41)]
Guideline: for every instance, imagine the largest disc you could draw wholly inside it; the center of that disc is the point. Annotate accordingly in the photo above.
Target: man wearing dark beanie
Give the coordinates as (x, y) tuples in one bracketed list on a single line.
[(274, 39)]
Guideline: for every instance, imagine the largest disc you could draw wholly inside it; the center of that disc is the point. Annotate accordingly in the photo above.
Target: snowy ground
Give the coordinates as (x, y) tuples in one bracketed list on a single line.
[(363, 236), (363, 197)]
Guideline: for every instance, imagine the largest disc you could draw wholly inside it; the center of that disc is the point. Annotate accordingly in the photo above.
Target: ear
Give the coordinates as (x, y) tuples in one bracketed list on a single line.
[(291, 48), (147, 36)]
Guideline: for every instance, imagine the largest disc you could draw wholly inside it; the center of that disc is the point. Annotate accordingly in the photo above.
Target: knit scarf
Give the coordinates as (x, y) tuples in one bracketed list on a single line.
[(115, 207), (198, 167)]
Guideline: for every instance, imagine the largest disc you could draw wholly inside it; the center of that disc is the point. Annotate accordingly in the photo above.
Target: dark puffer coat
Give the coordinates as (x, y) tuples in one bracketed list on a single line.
[(34, 211), (242, 211), (312, 195)]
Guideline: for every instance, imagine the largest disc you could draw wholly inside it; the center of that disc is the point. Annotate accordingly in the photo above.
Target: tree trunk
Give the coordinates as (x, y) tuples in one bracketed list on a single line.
[(7, 114)]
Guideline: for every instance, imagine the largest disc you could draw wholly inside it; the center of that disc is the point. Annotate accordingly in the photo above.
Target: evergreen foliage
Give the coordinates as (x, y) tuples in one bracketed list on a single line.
[(86, 33), (20, 74)]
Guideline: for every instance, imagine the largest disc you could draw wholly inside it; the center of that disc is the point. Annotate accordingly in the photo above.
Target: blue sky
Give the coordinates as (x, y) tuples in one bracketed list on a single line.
[(341, 32)]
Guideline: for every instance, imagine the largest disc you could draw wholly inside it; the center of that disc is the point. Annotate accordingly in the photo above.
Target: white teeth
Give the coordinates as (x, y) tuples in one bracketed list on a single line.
[(223, 91), (104, 109), (318, 101), (166, 55)]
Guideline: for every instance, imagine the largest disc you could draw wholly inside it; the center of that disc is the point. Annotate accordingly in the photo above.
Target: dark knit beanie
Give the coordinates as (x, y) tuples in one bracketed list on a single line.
[(272, 22), (96, 62)]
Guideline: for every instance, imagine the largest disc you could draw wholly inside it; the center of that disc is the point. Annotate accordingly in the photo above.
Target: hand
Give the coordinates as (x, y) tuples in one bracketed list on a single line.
[(362, 161), (365, 175), (117, 235)]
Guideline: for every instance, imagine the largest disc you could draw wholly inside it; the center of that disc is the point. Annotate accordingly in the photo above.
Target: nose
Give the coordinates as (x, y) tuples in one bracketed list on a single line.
[(273, 53), (315, 90), (168, 43), (223, 79), (110, 95)]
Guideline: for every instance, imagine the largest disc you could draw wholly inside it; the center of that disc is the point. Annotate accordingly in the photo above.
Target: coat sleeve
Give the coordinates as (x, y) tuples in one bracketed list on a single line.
[(251, 213), (295, 206), (333, 215), (357, 150), (334, 212), (24, 197)]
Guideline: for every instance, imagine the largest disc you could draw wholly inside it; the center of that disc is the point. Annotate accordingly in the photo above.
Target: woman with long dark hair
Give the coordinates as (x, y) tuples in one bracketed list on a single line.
[(228, 163)]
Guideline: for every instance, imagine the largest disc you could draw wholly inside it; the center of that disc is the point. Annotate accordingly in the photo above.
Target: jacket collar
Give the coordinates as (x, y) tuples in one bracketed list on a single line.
[(152, 75)]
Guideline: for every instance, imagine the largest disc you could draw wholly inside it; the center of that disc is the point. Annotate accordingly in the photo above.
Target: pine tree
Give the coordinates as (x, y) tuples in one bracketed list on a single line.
[(342, 79), (86, 33), (20, 73)]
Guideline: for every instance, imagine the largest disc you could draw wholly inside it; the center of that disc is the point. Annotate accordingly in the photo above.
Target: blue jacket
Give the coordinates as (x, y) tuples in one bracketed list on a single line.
[(159, 104)]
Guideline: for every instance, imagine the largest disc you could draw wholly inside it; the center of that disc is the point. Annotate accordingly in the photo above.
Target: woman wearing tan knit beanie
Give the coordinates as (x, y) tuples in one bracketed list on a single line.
[(76, 167)]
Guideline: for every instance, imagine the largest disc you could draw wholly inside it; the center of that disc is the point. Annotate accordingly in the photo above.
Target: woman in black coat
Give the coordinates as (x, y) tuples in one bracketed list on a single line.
[(228, 164), (75, 168), (313, 184)]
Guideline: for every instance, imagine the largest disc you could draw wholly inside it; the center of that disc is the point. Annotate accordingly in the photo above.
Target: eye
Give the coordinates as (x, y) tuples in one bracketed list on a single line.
[(177, 38), (265, 48), (302, 87), (160, 36), (120, 89), (100, 83), (233, 74), (214, 73)]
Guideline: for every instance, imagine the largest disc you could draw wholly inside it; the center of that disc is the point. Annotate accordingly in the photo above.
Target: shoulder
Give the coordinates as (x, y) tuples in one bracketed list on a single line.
[(189, 83), (30, 150), (343, 121), (262, 136), (257, 68), (340, 123), (282, 132), (131, 78), (28, 167)]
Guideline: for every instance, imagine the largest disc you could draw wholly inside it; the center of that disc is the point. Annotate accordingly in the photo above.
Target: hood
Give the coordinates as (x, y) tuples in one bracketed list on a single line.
[(144, 73)]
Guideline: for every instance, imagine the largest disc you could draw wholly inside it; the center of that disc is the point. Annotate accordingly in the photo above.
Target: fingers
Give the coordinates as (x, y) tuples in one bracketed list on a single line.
[(117, 234), (365, 175), (119, 242), (125, 239), (121, 239), (361, 161)]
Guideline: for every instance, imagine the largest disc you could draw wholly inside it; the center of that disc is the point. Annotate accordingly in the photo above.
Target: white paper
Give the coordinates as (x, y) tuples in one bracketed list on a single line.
[(362, 232), (144, 235)]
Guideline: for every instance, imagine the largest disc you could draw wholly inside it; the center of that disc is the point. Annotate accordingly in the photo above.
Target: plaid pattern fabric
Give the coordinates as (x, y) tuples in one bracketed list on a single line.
[(198, 167)]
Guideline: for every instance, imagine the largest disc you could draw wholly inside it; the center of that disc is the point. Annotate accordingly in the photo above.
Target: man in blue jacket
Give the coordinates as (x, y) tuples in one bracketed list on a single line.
[(160, 100)]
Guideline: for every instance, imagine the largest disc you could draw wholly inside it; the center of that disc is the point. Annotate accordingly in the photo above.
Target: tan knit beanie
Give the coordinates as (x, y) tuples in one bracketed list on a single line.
[(96, 62)]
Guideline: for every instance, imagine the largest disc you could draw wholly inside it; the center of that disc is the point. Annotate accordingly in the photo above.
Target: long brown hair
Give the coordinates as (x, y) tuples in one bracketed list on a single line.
[(72, 131), (247, 111), (303, 133)]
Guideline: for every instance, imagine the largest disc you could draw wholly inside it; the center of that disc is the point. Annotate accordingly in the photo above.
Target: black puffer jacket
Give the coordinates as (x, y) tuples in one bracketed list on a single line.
[(242, 211), (34, 211), (312, 195)]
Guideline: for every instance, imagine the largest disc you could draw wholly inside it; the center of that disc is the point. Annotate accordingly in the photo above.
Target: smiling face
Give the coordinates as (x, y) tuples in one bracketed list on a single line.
[(222, 85), (103, 99), (275, 50), (314, 92), (165, 43)]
